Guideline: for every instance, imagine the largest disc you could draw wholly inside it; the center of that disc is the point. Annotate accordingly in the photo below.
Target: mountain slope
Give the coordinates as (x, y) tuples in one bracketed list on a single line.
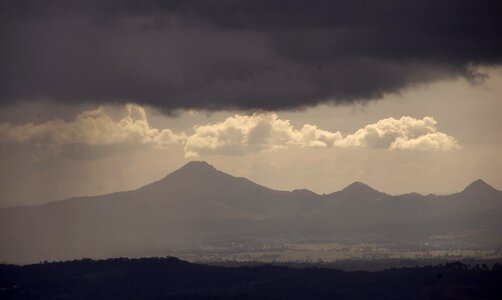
[(479, 187), (198, 203)]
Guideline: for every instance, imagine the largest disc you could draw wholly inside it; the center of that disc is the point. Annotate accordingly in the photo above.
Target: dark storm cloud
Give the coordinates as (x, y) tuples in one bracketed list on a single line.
[(239, 54)]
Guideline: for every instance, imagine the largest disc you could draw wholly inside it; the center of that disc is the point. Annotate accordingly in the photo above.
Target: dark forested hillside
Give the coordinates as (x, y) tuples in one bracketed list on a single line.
[(170, 278)]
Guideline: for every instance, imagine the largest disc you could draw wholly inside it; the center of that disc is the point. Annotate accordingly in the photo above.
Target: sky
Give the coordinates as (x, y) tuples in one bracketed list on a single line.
[(98, 97)]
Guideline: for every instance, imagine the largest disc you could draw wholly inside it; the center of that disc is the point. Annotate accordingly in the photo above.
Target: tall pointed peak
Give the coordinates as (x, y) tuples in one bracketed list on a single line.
[(196, 167), (193, 173), (478, 186), (356, 185), (197, 164)]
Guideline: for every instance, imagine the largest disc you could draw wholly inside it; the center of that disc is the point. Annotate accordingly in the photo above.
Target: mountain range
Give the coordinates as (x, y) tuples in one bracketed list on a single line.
[(198, 204)]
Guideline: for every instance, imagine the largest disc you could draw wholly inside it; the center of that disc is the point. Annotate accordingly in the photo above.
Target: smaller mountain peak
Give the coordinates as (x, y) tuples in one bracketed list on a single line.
[(358, 186), (303, 192), (359, 190), (478, 186)]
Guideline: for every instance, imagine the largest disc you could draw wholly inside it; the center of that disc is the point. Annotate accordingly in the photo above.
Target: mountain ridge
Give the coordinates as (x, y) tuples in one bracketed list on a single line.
[(199, 169), (198, 204), (203, 167)]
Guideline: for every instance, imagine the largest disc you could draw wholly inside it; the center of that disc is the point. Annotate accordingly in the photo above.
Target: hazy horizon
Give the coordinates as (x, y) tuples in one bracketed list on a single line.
[(105, 106), (75, 163), (103, 97), (291, 190)]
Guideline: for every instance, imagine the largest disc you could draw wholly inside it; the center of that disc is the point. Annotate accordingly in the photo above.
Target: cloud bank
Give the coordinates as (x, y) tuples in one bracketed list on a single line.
[(406, 133), (240, 134), (92, 128), (248, 54), (236, 135)]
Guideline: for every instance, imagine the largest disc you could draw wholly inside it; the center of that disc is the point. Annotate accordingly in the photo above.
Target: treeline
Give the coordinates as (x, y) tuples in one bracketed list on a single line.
[(366, 264), (170, 278)]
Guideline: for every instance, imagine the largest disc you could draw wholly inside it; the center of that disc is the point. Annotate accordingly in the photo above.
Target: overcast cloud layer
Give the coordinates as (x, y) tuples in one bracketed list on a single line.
[(239, 54)]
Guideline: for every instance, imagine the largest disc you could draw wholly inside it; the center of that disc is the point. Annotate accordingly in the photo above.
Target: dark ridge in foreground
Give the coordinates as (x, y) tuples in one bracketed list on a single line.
[(170, 278)]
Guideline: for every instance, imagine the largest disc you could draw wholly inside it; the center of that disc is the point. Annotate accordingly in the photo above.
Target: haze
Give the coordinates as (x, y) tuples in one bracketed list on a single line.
[(384, 112), (103, 153)]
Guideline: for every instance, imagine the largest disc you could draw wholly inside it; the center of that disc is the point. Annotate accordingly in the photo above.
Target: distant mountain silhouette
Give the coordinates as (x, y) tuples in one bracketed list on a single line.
[(198, 203), (358, 186), (196, 172), (361, 190), (479, 187)]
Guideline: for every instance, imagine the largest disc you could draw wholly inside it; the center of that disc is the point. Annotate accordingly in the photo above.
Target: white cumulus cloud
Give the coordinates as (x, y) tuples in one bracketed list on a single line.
[(236, 135), (93, 127), (240, 134), (430, 141), (406, 133)]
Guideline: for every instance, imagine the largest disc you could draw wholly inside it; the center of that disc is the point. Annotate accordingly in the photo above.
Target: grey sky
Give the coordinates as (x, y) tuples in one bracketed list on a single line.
[(245, 54)]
